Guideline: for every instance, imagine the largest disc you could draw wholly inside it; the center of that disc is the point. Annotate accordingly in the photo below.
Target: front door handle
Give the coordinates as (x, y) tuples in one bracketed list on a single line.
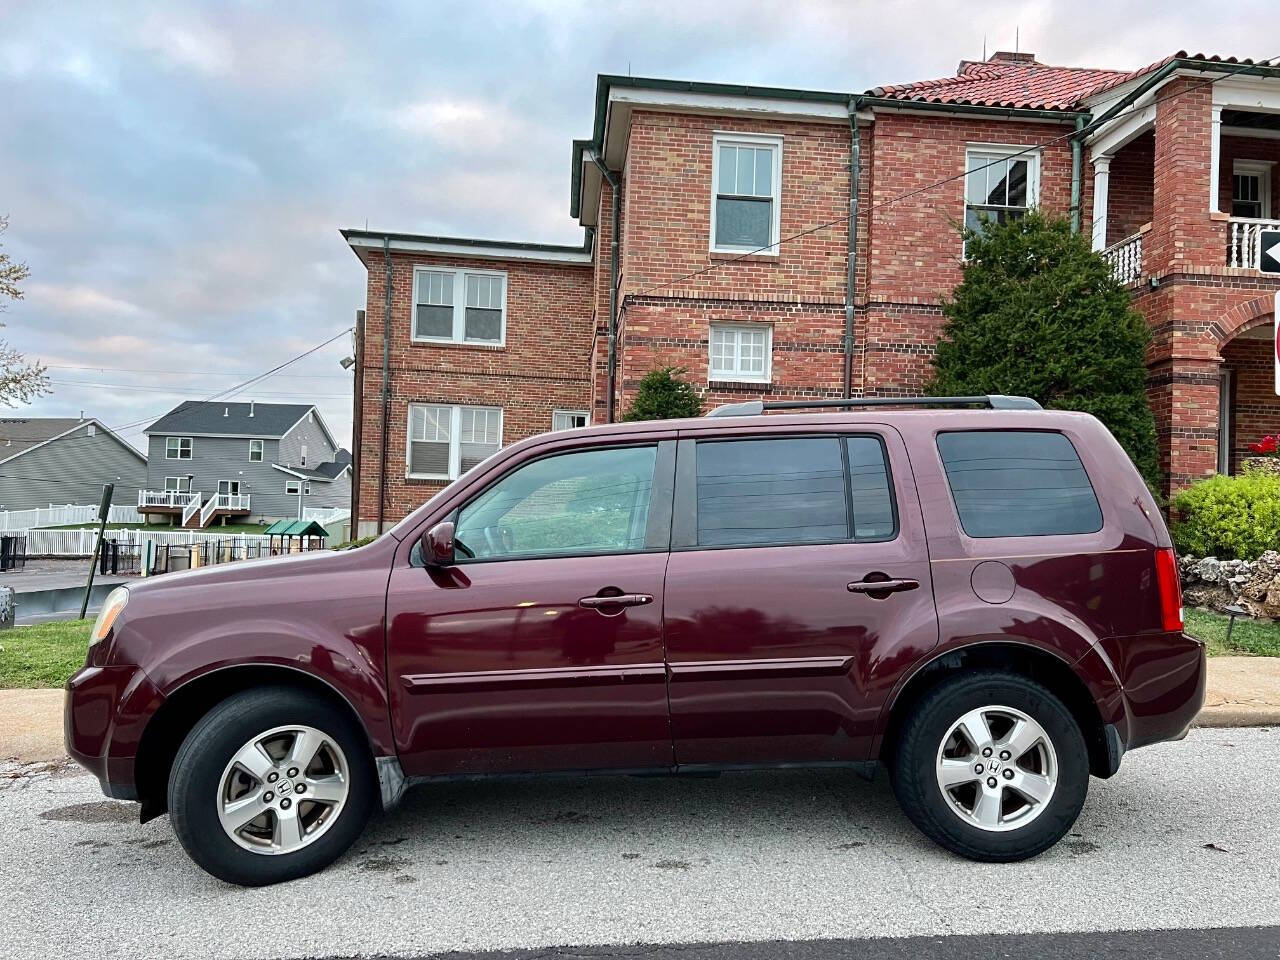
[(881, 588), (617, 600)]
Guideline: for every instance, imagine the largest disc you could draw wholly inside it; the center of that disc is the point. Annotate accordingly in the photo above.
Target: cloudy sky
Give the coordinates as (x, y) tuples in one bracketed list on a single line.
[(175, 174)]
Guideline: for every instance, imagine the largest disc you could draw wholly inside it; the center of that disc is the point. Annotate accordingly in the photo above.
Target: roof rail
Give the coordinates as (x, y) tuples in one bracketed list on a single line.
[(992, 401)]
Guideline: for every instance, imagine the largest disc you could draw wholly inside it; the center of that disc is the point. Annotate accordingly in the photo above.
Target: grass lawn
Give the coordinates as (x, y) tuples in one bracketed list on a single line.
[(44, 654), (1260, 638)]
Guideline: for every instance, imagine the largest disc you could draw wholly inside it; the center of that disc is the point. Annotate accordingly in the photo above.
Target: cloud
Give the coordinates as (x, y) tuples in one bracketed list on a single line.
[(81, 300)]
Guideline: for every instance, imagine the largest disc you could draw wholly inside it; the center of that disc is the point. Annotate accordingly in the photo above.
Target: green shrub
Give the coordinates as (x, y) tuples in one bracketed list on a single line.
[(1233, 518), (663, 394)]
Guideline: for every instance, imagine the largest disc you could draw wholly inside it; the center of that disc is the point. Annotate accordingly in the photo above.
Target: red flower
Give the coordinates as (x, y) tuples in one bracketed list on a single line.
[(1267, 446)]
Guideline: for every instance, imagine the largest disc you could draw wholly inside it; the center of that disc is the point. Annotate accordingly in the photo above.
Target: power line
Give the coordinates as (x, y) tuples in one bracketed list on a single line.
[(906, 105)]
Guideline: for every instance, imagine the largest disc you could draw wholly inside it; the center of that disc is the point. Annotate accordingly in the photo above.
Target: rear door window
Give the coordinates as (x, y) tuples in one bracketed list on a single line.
[(1018, 483), (775, 491)]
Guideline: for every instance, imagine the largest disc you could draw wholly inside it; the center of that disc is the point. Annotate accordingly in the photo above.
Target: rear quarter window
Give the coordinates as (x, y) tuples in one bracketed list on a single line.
[(1018, 483)]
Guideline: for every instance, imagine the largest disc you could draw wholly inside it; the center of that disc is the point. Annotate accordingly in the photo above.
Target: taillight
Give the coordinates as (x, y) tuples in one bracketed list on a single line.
[(1170, 590)]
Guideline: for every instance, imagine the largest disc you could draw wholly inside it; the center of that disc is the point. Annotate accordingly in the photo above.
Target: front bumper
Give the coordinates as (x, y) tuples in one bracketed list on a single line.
[(107, 708)]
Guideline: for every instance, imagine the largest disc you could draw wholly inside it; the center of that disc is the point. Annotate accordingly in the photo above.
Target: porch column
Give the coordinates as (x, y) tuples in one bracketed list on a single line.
[(1101, 183), (1215, 148)]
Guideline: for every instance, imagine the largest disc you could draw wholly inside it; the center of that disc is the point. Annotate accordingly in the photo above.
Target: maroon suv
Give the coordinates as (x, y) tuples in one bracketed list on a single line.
[(984, 600)]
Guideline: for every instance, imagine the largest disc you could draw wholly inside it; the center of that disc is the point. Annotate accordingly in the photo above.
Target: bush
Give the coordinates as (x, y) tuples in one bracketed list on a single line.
[(664, 395), (1039, 314), (1232, 518)]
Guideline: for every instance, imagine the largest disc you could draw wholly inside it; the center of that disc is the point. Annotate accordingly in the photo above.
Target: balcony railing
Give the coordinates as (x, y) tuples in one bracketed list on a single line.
[(1125, 257), (223, 501), (1242, 243), (167, 498)]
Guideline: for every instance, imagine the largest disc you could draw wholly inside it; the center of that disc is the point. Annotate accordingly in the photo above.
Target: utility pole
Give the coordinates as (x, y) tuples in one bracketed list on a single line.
[(104, 511)]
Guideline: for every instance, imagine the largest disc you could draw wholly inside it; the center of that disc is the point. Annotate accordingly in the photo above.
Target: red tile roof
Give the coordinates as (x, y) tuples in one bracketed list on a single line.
[(1018, 81)]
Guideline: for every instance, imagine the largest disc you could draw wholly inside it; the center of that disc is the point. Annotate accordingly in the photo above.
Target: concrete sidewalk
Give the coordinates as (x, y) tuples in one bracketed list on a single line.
[(1242, 692)]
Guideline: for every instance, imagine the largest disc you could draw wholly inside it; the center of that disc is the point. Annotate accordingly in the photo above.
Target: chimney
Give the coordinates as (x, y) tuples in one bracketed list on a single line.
[(251, 408), (1009, 56)]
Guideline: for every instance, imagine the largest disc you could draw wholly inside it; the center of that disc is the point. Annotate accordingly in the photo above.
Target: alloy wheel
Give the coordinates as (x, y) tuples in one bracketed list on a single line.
[(283, 789), (997, 768)]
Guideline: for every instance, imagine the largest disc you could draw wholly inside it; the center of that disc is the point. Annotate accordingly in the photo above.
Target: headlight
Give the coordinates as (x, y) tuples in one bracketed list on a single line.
[(110, 612)]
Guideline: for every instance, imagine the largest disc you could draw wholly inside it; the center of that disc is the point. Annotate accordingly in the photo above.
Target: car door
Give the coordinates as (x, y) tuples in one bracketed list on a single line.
[(774, 616), (540, 647)]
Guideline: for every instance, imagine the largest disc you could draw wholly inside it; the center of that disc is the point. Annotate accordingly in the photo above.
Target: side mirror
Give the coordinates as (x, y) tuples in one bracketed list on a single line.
[(437, 545)]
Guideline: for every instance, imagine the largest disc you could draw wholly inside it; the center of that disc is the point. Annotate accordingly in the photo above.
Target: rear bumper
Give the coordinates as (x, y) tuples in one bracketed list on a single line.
[(1162, 686), (105, 713)]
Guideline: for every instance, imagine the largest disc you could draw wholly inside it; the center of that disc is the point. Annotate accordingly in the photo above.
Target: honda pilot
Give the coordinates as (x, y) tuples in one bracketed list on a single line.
[(977, 595)]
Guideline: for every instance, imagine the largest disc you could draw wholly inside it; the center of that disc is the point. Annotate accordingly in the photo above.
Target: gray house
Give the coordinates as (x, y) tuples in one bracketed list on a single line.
[(247, 462), (60, 460)]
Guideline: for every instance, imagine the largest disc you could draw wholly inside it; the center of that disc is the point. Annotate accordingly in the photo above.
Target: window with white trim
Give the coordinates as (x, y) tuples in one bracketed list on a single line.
[(255, 451), (177, 484), (445, 442), (569, 419), (459, 306), (302, 454), (1001, 183), (292, 487), (1251, 189), (91, 430), (741, 351), (746, 177), (177, 448)]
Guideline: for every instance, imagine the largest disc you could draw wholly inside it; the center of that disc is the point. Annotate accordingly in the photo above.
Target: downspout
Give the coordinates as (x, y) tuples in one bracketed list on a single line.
[(612, 179), (855, 178), (1077, 150), (386, 385)]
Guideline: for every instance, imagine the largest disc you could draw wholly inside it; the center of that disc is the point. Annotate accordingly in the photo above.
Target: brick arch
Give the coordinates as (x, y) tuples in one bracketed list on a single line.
[(1241, 318)]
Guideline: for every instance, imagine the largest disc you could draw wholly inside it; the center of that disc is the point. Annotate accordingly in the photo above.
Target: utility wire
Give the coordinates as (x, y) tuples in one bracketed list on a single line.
[(906, 105)]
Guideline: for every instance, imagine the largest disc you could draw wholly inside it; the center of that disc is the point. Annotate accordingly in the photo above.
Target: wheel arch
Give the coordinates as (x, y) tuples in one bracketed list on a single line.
[(1010, 656), (184, 706)]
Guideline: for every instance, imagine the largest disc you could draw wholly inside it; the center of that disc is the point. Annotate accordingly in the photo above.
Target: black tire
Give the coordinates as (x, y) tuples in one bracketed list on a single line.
[(194, 784), (915, 781)]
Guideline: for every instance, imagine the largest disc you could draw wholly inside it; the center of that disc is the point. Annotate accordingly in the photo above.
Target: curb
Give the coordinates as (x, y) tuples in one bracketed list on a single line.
[(1239, 715)]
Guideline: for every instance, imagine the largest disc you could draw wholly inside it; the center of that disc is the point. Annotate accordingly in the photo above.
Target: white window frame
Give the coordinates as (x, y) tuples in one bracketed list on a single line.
[(230, 483), (1024, 152), (1254, 168), (585, 414), (178, 487), (258, 447), (305, 487), (91, 430), (729, 139), (191, 446), (738, 375), (302, 455), (459, 306), (455, 438)]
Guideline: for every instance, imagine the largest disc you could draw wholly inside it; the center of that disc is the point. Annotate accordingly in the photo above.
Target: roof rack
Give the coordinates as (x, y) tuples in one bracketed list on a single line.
[(992, 401)]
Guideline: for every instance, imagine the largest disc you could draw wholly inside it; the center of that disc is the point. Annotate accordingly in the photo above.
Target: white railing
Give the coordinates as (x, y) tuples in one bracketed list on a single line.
[(51, 516), (221, 501), (1242, 243), (326, 515), (79, 543), (167, 498), (191, 509), (1125, 257)]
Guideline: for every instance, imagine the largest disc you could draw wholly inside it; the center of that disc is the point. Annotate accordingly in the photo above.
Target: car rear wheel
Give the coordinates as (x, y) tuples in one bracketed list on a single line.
[(272, 784), (991, 766)]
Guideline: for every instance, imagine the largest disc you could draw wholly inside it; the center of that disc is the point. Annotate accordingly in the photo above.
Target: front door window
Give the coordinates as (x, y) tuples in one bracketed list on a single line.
[(229, 486)]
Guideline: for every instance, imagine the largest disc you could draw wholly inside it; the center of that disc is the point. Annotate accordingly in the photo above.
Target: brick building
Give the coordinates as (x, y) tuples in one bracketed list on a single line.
[(716, 238)]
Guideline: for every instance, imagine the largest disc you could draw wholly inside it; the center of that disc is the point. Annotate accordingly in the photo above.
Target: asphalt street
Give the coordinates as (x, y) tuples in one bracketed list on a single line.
[(1185, 839)]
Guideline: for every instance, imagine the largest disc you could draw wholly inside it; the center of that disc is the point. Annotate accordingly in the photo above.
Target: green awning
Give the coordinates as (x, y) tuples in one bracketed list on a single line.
[(296, 528)]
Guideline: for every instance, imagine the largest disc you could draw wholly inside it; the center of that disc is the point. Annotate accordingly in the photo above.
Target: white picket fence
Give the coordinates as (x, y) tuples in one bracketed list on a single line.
[(52, 516), (326, 515), (79, 543)]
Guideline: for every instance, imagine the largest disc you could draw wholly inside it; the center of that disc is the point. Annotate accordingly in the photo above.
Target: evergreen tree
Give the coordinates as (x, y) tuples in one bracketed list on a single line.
[(664, 395), (1039, 314)]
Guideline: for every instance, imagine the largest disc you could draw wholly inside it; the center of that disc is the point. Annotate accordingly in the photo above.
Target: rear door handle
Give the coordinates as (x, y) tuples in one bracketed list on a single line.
[(886, 586), (618, 600)]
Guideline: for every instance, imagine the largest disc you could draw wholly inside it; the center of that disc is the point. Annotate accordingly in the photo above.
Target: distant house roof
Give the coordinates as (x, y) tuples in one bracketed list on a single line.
[(21, 434), (219, 419), (324, 472)]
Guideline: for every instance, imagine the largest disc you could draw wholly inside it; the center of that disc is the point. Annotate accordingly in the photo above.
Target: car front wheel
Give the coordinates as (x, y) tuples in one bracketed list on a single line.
[(272, 784), (992, 766)]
